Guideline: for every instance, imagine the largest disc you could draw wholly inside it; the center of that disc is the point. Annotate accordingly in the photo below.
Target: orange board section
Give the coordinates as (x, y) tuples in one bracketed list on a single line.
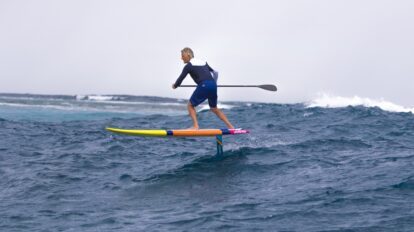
[(202, 132)]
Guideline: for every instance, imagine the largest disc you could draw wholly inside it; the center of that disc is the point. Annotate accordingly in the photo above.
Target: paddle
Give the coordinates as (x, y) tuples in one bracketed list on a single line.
[(265, 87)]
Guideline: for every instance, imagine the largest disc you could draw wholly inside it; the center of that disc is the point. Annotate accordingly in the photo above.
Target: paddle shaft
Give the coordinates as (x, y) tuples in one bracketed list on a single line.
[(265, 87)]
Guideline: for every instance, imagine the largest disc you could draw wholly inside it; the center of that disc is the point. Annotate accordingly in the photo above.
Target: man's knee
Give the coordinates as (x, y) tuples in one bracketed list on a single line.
[(215, 109)]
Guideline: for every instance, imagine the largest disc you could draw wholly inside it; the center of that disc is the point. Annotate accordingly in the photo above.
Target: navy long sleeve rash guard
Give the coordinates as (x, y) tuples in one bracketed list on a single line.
[(199, 71)]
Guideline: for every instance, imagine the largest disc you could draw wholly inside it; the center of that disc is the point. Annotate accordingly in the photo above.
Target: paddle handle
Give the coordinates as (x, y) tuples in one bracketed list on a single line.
[(265, 87)]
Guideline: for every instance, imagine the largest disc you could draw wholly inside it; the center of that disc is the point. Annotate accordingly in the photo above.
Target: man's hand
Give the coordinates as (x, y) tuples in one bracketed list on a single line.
[(173, 86)]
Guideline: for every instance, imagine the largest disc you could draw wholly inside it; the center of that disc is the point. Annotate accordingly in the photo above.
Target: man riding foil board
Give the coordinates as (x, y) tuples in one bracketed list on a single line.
[(206, 86)]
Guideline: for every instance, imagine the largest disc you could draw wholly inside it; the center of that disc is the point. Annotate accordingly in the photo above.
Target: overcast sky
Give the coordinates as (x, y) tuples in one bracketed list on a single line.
[(340, 47)]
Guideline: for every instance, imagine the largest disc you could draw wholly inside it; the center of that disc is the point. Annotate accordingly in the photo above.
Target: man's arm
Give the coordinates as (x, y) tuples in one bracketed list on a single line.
[(181, 77)]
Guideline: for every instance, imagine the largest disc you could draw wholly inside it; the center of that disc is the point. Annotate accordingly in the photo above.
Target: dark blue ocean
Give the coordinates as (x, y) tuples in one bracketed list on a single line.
[(303, 167)]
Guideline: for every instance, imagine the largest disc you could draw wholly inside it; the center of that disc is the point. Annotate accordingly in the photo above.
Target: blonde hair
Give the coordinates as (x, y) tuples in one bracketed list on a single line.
[(188, 51)]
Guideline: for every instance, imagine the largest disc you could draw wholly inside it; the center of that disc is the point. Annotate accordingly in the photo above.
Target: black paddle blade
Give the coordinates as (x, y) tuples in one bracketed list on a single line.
[(268, 87)]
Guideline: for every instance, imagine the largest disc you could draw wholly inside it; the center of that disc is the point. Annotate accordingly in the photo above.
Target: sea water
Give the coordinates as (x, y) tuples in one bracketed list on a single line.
[(333, 164)]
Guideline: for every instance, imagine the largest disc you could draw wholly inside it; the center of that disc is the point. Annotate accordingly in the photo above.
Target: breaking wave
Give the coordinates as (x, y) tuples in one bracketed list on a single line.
[(329, 101)]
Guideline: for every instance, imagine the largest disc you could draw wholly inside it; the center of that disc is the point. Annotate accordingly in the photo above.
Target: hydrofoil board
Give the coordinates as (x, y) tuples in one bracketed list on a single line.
[(183, 133)]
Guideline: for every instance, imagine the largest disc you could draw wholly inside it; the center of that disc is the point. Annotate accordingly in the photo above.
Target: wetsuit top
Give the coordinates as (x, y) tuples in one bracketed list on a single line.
[(198, 70)]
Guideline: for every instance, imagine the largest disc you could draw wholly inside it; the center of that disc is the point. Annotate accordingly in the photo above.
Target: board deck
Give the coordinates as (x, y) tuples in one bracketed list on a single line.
[(182, 133)]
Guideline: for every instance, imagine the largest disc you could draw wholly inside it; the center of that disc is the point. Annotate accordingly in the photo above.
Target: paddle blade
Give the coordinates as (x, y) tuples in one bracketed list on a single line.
[(268, 87)]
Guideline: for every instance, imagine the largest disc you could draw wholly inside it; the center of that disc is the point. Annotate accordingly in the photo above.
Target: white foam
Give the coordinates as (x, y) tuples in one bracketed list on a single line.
[(56, 107), (98, 97), (113, 100), (220, 106), (81, 97), (329, 101), (17, 98), (14, 104)]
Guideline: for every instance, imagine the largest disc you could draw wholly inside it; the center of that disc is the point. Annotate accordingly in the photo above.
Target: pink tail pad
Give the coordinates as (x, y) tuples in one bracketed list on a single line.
[(238, 131)]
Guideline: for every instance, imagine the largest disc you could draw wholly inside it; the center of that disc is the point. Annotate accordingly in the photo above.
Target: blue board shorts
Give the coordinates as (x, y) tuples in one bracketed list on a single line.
[(205, 90)]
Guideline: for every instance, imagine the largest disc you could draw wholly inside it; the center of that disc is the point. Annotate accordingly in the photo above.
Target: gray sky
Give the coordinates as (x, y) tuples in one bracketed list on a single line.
[(340, 47)]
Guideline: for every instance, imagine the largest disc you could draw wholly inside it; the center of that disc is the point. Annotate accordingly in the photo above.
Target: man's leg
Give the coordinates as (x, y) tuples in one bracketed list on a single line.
[(223, 117), (193, 115)]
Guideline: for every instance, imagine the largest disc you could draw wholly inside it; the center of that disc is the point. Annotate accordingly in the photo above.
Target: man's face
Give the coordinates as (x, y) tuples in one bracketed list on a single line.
[(185, 57)]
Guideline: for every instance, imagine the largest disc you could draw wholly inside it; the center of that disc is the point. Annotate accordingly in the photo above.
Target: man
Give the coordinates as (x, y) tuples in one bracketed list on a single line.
[(206, 86)]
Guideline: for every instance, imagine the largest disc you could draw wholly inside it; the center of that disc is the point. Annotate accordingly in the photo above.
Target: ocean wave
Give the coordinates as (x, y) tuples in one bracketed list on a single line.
[(190, 169), (329, 101), (18, 98), (329, 145), (32, 97), (213, 163), (205, 107), (167, 108), (127, 98), (124, 100), (100, 102), (407, 184), (64, 107), (99, 97), (14, 104), (138, 103)]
